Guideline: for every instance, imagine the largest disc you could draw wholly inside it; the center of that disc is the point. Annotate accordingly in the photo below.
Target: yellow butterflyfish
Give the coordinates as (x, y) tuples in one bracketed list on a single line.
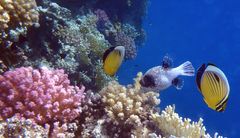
[(112, 59), (214, 86)]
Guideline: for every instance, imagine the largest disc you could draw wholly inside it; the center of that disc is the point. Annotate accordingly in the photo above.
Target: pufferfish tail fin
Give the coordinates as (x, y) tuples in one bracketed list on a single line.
[(186, 69)]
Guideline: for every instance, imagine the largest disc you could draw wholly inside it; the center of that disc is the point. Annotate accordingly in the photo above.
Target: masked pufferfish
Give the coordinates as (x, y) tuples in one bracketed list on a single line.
[(161, 77)]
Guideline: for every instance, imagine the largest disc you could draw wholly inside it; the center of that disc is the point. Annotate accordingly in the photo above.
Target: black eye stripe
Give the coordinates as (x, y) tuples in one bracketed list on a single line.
[(149, 81)]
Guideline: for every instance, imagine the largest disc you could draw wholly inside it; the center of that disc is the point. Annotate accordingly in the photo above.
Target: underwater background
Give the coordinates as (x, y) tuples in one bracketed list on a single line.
[(53, 82), (201, 32)]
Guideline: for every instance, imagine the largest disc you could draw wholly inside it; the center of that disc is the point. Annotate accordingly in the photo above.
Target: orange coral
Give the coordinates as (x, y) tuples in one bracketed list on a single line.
[(17, 13)]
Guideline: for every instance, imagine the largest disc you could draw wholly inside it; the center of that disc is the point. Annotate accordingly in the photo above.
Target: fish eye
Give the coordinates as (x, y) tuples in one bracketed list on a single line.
[(148, 81)]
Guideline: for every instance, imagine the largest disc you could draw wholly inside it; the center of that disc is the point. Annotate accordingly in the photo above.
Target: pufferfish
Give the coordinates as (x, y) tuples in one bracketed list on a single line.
[(161, 77), (214, 86), (112, 59)]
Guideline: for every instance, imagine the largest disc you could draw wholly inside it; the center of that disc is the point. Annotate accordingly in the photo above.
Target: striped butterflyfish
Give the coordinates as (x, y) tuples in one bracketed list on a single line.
[(112, 59), (213, 85)]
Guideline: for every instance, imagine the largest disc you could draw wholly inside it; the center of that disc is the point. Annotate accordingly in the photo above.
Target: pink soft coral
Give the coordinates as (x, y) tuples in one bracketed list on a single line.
[(40, 94)]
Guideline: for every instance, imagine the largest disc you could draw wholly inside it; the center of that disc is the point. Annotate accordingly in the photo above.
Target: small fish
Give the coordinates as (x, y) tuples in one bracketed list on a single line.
[(214, 86), (112, 59), (162, 77)]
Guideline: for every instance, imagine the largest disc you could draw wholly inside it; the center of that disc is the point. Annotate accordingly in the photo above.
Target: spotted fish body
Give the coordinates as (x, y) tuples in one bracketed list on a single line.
[(159, 78)]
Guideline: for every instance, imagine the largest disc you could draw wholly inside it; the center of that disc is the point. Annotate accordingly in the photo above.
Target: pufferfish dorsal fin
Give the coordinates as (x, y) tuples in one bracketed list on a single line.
[(200, 72), (167, 62)]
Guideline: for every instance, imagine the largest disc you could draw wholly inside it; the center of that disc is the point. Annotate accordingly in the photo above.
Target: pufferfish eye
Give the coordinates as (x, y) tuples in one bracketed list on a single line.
[(148, 81)]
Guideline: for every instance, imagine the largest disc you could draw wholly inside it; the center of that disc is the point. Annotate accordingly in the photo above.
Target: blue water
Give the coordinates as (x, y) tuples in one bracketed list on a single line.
[(200, 31)]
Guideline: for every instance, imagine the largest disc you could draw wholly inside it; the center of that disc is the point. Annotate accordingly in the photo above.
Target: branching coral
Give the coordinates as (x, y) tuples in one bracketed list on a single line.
[(127, 108), (83, 47), (126, 104), (130, 112), (172, 124), (73, 44), (16, 16), (122, 39), (117, 111), (20, 127), (43, 95), (2, 67), (76, 44)]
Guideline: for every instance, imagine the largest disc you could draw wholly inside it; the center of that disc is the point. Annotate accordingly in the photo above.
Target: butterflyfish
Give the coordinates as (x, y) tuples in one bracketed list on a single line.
[(213, 85), (112, 59)]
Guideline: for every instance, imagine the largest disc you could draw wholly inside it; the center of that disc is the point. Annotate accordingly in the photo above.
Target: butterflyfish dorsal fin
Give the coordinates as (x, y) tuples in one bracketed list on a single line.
[(107, 52), (200, 72)]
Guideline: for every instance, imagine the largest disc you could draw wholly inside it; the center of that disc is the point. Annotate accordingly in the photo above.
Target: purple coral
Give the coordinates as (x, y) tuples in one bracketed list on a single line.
[(43, 95), (101, 15), (122, 39)]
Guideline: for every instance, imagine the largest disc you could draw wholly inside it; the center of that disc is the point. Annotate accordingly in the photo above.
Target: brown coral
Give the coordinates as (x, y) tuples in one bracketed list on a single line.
[(16, 15), (20, 127), (18, 12), (128, 108), (126, 104)]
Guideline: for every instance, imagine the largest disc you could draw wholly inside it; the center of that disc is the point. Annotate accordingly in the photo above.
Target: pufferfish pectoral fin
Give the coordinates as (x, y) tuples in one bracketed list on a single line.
[(178, 83)]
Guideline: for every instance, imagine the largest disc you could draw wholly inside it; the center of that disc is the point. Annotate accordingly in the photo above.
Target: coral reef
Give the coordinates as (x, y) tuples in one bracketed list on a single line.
[(116, 111), (73, 42), (19, 127), (43, 95), (127, 108), (16, 16), (65, 41), (172, 124), (58, 130), (123, 11), (61, 41), (122, 39), (130, 112)]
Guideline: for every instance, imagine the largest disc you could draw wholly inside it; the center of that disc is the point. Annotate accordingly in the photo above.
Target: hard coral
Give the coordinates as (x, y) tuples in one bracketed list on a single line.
[(128, 108), (43, 95), (19, 127), (122, 39), (15, 15), (172, 124)]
